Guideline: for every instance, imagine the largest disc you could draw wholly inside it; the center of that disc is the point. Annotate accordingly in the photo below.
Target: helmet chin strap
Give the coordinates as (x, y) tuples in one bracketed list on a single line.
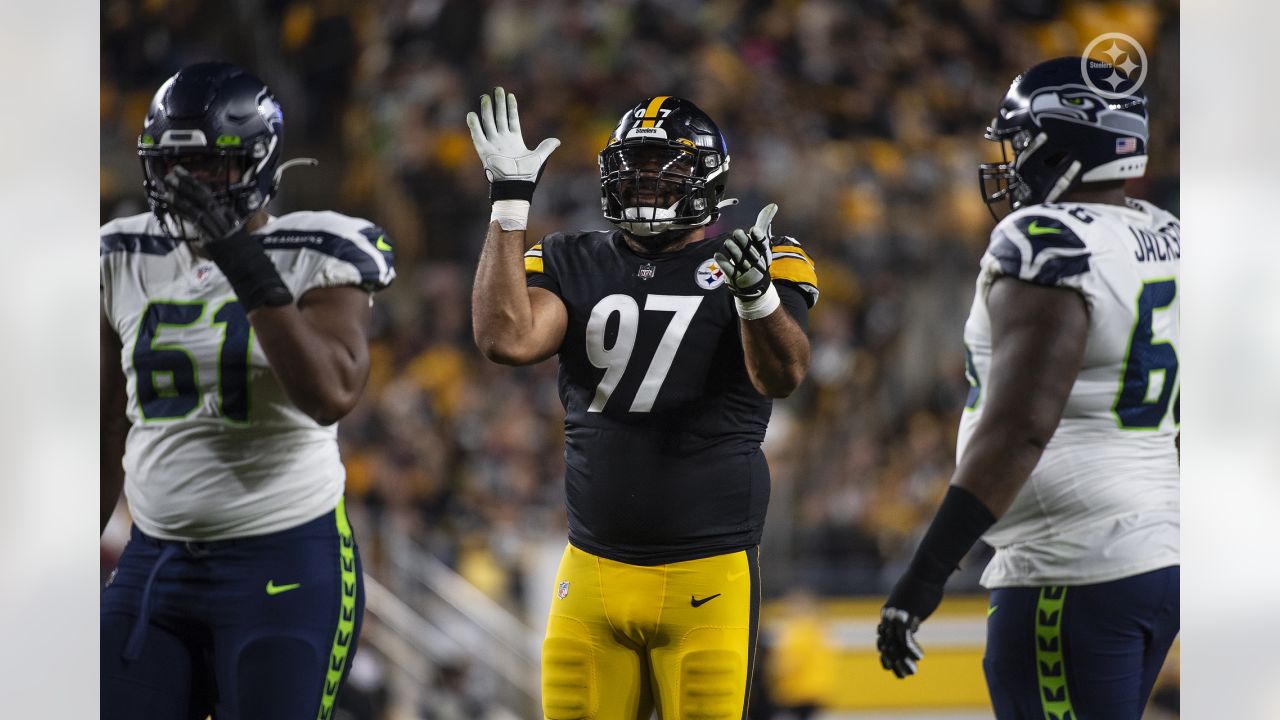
[(645, 221), (1064, 182)]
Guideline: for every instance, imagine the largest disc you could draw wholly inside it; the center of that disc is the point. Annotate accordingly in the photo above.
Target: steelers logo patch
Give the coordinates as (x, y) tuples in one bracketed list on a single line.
[(709, 275)]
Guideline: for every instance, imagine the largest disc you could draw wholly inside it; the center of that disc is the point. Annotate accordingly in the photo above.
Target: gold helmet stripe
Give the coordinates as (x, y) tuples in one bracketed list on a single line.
[(651, 112)]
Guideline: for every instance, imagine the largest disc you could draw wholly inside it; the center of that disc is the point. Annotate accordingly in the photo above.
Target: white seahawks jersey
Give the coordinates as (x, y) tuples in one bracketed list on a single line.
[(1102, 503), (216, 449)]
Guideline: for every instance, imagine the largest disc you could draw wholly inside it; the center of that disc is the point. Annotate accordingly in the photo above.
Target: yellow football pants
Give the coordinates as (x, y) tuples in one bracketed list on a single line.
[(625, 639)]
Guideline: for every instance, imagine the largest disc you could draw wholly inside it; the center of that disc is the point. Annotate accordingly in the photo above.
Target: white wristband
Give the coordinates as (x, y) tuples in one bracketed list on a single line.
[(511, 214), (762, 306)]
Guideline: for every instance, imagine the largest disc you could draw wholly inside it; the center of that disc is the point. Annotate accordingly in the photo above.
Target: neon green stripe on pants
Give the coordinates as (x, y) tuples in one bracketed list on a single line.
[(343, 636)]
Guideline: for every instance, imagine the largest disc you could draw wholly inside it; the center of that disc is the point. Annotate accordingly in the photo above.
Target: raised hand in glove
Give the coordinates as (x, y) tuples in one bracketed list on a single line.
[(224, 238), (512, 168), (744, 257)]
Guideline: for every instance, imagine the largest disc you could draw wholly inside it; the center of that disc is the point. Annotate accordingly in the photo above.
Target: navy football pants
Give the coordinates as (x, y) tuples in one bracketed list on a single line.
[(259, 627), (1085, 652)]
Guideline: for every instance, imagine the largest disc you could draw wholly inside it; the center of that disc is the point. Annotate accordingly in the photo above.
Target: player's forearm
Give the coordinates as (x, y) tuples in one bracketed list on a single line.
[(322, 375), (502, 315), (997, 462), (776, 352)]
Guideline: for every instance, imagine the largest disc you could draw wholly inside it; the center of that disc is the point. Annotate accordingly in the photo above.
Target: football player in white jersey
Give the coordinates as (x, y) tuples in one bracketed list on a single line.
[(1067, 463), (232, 341)]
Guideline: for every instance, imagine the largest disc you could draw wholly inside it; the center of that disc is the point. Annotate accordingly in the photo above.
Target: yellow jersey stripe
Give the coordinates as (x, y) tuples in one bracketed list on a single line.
[(651, 112), (794, 270), (533, 265), (792, 249)]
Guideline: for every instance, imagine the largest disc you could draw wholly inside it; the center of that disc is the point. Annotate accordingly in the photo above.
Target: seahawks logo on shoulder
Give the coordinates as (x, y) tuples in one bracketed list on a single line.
[(1040, 249)]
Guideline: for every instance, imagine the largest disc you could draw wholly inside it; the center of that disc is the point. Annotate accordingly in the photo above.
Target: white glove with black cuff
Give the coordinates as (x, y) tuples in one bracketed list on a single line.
[(512, 168)]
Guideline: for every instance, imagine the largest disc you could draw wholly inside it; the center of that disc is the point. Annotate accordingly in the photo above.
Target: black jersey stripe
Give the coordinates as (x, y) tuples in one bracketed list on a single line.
[(137, 243)]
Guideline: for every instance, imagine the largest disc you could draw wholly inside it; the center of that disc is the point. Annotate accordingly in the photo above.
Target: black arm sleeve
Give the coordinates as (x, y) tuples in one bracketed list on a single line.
[(795, 301)]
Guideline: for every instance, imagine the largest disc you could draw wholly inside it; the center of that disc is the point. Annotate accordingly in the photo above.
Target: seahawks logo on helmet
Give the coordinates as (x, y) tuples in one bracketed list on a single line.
[(1078, 104)]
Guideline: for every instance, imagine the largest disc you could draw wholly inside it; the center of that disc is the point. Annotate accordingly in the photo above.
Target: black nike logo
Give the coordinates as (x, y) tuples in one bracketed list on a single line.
[(699, 603)]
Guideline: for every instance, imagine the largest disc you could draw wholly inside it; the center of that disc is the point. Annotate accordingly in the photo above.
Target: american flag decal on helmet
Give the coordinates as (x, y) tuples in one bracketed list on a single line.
[(1126, 145)]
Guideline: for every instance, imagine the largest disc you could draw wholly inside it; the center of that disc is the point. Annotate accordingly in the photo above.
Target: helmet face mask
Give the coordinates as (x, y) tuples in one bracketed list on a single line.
[(664, 169), (1056, 132), (223, 126), (999, 182)]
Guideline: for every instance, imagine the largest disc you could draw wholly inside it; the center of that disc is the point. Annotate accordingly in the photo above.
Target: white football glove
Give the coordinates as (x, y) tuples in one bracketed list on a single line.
[(745, 257), (513, 170)]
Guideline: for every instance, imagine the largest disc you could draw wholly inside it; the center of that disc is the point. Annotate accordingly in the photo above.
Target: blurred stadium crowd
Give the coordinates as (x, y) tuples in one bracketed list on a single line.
[(863, 121)]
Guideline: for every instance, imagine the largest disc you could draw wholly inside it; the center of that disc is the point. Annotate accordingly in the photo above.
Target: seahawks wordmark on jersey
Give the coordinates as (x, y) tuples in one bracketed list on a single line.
[(662, 423), (1102, 503), (216, 449)]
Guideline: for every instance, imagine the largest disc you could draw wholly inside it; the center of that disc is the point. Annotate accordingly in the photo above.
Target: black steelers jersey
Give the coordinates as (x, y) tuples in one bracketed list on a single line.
[(662, 425)]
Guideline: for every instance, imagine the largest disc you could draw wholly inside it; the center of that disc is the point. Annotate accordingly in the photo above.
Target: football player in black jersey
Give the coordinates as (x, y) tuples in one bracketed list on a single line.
[(671, 345)]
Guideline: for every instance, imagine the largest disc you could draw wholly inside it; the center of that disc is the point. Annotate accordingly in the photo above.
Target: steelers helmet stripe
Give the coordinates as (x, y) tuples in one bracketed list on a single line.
[(651, 112)]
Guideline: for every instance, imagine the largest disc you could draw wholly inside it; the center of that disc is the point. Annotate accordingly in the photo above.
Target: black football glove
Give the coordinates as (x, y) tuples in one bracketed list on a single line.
[(896, 641), (745, 257), (910, 603), (224, 238), (194, 202)]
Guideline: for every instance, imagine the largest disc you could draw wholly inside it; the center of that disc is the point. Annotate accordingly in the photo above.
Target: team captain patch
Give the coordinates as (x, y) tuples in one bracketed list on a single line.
[(709, 275)]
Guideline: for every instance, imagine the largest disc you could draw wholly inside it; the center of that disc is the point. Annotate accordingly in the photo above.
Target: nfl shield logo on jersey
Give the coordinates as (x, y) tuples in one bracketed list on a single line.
[(709, 275), (562, 590), (646, 271)]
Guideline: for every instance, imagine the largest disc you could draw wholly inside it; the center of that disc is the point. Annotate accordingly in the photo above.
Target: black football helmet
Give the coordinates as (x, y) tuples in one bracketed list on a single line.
[(224, 126), (1062, 132), (664, 169)]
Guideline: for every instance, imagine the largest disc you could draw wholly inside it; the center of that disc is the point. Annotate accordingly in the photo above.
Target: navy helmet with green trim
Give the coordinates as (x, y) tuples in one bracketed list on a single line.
[(664, 168), (223, 125), (1063, 132)]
